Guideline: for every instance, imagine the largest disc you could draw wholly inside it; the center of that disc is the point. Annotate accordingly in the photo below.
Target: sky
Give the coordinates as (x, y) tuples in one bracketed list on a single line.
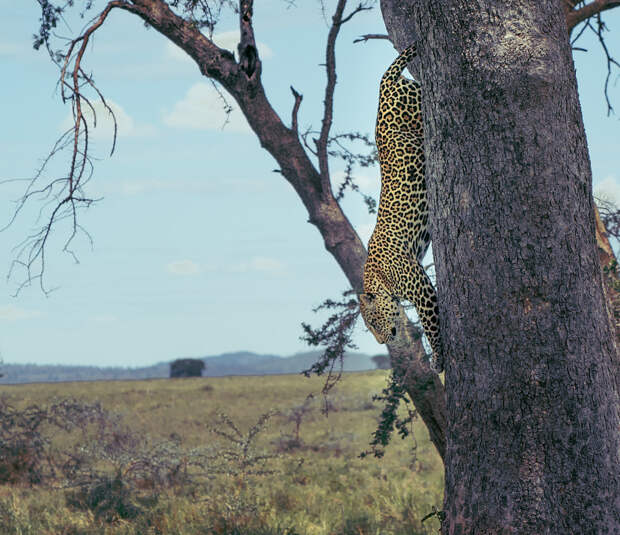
[(199, 248)]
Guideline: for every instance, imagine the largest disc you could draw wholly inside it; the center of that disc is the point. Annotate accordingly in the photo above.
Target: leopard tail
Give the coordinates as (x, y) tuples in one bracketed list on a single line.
[(396, 69)]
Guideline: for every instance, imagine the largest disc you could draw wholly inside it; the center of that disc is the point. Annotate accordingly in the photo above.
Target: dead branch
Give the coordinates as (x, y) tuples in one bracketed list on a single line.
[(64, 194), (600, 28), (585, 14), (298, 98), (576, 15), (321, 143), (368, 36)]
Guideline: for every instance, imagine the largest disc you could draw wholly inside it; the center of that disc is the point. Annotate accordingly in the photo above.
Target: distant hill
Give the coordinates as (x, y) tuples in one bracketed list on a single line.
[(239, 363)]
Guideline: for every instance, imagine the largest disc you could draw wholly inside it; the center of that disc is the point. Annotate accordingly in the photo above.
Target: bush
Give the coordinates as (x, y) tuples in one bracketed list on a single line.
[(109, 498), (26, 452)]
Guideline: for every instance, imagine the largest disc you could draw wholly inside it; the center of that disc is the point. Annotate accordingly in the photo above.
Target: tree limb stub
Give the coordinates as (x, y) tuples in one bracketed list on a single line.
[(248, 53), (367, 37), (298, 98)]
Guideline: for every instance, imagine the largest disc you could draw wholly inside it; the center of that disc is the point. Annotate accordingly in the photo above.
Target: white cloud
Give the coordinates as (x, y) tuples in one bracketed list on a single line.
[(608, 188), (228, 40), (260, 264), (12, 313), (104, 129), (183, 267), (202, 108)]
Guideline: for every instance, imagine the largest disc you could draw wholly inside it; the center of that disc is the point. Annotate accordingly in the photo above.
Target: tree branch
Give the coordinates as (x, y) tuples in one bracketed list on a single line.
[(65, 194), (600, 27), (213, 61), (321, 143), (368, 36), (248, 53), (298, 98), (330, 67), (575, 16)]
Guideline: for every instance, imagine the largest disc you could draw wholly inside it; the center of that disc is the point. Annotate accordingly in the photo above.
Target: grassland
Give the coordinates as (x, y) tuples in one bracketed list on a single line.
[(161, 467)]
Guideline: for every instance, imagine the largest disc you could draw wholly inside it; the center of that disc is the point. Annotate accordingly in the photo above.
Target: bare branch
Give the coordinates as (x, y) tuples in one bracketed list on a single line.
[(368, 36), (298, 98), (328, 113), (338, 20), (66, 193), (360, 7), (611, 62), (585, 14), (63, 197), (575, 16), (600, 28)]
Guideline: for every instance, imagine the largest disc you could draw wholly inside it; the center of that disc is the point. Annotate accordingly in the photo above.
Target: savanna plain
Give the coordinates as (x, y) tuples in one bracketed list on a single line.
[(229, 455)]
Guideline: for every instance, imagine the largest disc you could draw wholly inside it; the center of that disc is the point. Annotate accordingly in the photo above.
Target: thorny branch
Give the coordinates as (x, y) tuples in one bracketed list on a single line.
[(62, 197), (66, 194), (336, 335), (351, 159)]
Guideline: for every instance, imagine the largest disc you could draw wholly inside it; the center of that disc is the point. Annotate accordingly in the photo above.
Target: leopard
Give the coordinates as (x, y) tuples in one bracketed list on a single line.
[(393, 271)]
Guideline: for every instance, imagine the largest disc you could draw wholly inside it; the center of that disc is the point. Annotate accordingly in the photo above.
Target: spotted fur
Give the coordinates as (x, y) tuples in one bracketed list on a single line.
[(393, 270)]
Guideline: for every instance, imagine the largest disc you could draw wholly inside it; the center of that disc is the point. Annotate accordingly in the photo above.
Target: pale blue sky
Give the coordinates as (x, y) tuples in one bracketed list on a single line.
[(199, 248)]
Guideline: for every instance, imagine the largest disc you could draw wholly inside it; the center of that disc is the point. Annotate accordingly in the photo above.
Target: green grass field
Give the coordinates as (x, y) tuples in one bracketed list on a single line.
[(155, 463)]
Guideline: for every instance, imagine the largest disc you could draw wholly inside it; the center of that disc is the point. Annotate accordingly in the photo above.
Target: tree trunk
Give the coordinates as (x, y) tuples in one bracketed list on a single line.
[(533, 442)]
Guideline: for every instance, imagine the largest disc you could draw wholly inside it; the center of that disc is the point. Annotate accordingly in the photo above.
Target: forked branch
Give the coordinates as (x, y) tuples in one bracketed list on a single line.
[(587, 13), (321, 143)]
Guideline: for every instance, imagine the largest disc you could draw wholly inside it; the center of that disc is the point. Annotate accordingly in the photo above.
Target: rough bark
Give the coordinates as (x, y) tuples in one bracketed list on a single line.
[(283, 143), (533, 442)]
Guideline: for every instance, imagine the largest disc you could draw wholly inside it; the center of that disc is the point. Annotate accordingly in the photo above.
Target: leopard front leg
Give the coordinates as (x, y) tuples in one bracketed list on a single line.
[(415, 286)]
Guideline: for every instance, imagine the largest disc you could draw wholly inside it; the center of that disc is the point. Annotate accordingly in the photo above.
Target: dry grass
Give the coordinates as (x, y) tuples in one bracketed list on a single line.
[(175, 475)]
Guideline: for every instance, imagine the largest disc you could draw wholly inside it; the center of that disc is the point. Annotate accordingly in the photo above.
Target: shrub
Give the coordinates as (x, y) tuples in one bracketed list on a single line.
[(26, 451)]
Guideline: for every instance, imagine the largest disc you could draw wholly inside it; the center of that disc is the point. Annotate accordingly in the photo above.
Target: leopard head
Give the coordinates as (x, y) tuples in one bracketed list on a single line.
[(380, 311)]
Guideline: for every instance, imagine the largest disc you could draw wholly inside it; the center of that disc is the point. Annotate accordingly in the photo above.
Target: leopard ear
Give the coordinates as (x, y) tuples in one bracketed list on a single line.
[(367, 298)]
